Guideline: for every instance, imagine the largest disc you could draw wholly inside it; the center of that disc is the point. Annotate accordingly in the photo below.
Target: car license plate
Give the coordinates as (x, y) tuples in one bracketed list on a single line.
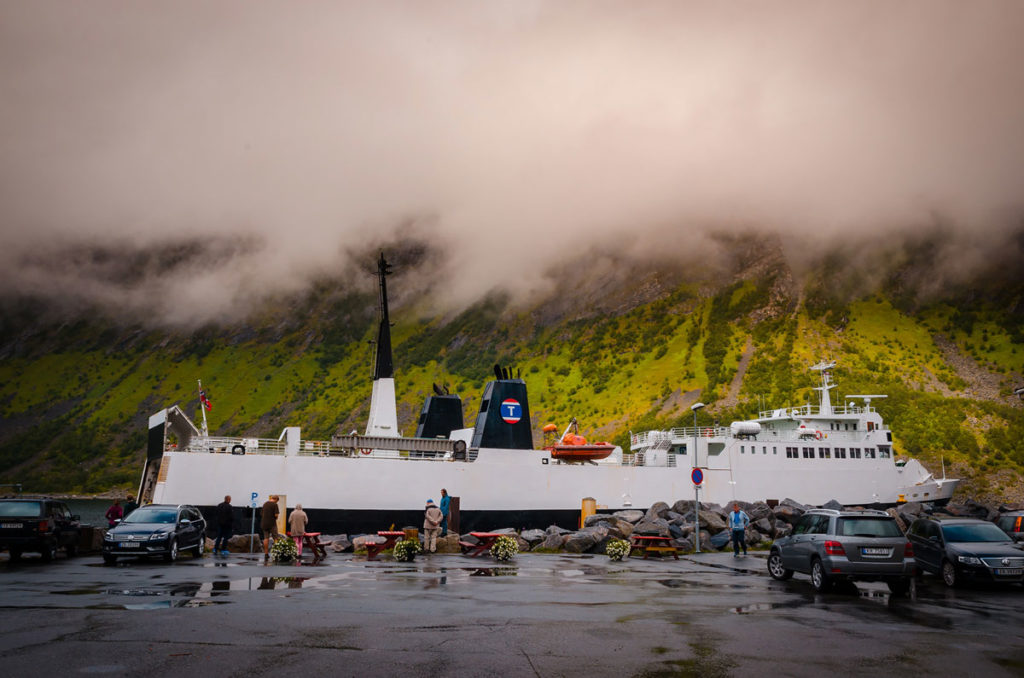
[(129, 544), (1009, 572), (13, 525), (875, 551)]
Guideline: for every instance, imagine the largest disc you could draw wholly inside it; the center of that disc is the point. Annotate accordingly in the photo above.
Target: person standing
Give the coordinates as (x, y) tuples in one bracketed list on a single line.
[(225, 515), (129, 506), (445, 502), (268, 522), (297, 526), (431, 526), (738, 521), (115, 513)]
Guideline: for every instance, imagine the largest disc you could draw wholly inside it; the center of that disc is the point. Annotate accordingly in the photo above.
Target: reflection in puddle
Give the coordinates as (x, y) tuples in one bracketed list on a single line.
[(491, 571)]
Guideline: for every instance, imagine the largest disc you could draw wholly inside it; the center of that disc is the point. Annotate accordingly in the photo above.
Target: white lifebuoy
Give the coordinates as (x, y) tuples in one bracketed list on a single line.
[(817, 435), (365, 450)]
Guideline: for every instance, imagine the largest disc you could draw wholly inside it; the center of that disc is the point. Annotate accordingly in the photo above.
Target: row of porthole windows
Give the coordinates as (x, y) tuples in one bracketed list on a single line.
[(884, 452)]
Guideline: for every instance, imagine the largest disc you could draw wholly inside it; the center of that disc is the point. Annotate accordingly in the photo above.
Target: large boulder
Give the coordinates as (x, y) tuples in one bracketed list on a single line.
[(656, 526), (631, 515), (578, 542), (705, 541), (360, 542), (339, 543), (712, 520), (553, 542), (683, 507), (720, 540), (793, 503), (240, 543), (675, 531), (760, 511), (832, 504), (783, 529), (533, 536), (787, 514), (555, 529), (752, 537), (611, 529), (449, 544), (657, 510), (764, 526)]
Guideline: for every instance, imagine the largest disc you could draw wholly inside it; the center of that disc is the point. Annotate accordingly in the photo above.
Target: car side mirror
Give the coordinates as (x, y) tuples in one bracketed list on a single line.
[(185, 521)]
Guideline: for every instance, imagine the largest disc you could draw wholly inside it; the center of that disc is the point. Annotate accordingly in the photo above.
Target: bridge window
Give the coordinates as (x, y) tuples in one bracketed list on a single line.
[(883, 452), (825, 453), (840, 453), (774, 450), (741, 449), (791, 453), (869, 453), (854, 453), (808, 453)]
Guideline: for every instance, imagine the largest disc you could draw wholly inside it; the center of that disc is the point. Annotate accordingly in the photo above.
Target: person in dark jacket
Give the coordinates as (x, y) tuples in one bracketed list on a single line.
[(445, 502), (130, 505), (225, 517)]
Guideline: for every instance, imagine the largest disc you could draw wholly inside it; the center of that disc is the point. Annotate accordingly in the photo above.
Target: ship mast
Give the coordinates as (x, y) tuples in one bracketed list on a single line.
[(825, 403), (383, 419)]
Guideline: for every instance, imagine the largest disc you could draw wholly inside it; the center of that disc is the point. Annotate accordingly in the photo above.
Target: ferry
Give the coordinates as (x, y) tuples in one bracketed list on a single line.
[(364, 483)]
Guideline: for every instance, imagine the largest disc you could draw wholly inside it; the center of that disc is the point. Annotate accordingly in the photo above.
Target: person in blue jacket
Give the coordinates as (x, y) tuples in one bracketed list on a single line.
[(445, 500), (738, 521)]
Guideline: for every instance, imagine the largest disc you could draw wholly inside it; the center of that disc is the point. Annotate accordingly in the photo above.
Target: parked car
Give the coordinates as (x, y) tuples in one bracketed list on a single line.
[(157, 530), (1013, 525), (38, 525), (959, 549), (833, 545)]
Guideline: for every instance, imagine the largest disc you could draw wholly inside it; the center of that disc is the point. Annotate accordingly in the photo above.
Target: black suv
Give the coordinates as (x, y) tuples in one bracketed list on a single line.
[(959, 549), (834, 546), (42, 525), (157, 530)]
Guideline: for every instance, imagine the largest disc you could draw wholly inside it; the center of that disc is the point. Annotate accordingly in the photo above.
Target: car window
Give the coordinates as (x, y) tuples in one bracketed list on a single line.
[(818, 525), (868, 527), (152, 515), (973, 533), (193, 514), (802, 524), (22, 509)]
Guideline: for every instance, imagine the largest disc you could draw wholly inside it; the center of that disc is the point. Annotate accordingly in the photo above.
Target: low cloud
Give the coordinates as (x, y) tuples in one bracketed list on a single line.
[(511, 137)]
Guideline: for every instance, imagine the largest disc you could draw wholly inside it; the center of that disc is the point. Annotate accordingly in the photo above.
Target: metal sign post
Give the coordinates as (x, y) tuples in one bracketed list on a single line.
[(252, 525), (697, 476)]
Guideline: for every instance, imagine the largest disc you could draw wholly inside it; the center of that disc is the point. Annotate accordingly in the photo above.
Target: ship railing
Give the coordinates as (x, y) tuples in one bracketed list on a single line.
[(222, 445), (813, 411)]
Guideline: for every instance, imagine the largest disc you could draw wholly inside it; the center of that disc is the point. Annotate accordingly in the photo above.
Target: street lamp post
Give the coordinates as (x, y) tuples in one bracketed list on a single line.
[(696, 489)]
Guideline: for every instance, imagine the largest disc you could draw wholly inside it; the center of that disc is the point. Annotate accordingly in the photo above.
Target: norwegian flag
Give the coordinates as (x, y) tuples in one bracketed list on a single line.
[(204, 400)]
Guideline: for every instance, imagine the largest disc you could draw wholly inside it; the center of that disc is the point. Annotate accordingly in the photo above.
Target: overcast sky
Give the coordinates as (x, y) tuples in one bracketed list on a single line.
[(510, 133)]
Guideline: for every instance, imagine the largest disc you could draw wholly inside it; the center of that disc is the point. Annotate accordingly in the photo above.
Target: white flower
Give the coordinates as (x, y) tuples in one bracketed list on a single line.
[(617, 549), (504, 548)]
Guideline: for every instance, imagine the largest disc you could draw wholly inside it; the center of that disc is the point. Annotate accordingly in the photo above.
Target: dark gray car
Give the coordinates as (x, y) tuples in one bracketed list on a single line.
[(960, 549), (156, 530), (833, 546)]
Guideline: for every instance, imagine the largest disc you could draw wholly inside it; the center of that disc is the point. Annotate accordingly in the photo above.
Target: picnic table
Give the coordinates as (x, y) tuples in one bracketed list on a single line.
[(311, 540), (653, 544), (390, 537), (485, 540)]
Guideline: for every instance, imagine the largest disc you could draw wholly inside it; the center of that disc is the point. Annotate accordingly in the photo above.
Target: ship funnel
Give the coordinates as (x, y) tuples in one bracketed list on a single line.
[(504, 418)]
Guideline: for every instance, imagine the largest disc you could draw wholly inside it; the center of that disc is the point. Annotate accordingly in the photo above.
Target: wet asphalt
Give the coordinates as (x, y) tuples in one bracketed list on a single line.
[(450, 615)]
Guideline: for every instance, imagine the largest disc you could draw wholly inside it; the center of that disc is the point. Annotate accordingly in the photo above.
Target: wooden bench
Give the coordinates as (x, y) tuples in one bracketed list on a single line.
[(485, 540), (311, 540), (653, 544), (390, 537)]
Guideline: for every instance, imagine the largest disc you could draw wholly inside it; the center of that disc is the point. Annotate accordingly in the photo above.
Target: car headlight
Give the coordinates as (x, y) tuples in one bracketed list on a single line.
[(109, 537), (969, 560), (158, 535)]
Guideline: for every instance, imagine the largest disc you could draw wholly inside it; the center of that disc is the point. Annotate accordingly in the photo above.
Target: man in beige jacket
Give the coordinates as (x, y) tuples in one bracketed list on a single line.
[(431, 526)]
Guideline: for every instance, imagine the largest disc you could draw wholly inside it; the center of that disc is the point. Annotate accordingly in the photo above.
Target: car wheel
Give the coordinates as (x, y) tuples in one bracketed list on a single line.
[(15, 554), (172, 552), (776, 568), (200, 548), (899, 587), (819, 578), (49, 552), (109, 559), (949, 577)]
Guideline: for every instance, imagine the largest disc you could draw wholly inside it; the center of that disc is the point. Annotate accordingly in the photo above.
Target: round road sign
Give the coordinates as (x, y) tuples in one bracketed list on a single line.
[(697, 476)]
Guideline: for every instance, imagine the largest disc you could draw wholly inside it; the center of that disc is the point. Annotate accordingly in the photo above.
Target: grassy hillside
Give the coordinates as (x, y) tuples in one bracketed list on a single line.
[(74, 399)]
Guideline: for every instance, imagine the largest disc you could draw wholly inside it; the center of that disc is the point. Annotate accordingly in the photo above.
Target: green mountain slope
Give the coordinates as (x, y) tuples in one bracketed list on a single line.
[(74, 397)]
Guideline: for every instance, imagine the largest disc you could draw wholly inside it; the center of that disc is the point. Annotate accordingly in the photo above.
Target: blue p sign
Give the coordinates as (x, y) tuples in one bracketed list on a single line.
[(252, 501)]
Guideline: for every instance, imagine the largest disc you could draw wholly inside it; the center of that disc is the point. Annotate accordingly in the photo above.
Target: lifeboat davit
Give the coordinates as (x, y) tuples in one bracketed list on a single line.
[(574, 447)]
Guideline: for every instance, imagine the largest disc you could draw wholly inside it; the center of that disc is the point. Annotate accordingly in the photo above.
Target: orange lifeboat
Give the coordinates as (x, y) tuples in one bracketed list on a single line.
[(572, 447)]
